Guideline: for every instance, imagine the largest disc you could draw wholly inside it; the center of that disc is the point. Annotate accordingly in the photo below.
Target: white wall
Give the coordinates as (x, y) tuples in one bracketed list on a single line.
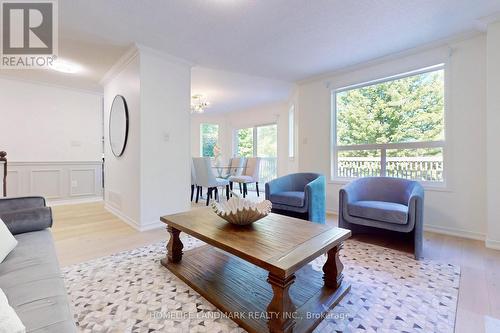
[(53, 139), (122, 174), (165, 138), (461, 208), (43, 123), (493, 134), (231, 121), (152, 177)]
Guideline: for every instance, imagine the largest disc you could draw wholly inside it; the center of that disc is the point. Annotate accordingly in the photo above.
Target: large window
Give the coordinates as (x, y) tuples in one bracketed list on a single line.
[(261, 141), (391, 127), (209, 136)]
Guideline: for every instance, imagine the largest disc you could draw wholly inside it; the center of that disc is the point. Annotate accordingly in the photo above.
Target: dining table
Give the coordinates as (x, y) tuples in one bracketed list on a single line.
[(225, 171)]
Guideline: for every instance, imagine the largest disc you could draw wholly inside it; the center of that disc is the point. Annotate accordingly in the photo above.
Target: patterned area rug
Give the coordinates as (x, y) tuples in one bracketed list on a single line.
[(391, 292)]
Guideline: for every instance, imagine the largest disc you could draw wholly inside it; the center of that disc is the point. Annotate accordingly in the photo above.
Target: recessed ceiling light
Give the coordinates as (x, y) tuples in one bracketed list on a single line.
[(65, 66)]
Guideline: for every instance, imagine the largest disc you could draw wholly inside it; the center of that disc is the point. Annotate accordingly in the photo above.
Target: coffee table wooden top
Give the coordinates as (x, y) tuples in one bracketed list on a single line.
[(276, 243)]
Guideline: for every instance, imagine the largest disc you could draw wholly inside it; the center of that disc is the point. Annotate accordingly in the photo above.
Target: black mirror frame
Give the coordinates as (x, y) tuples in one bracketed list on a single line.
[(126, 125)]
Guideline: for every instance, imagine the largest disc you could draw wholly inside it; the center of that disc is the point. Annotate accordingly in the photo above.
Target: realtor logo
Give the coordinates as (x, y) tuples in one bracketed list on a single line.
[(29, 34)]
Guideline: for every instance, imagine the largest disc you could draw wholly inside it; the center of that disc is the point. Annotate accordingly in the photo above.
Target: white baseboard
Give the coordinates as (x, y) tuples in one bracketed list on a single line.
[(75, 201), (331, 212), (131, 222), (153, 225), (492, 244), (134, 224), (455, 232)]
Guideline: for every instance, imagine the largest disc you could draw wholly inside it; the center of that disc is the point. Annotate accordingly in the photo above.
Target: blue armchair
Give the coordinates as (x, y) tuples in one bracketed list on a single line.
[(385, 203), (299, 195)]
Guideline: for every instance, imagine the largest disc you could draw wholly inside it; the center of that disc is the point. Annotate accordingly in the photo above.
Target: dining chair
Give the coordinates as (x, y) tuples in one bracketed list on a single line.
[(250, 175), (206, 178), (194, 184), (237, 166)]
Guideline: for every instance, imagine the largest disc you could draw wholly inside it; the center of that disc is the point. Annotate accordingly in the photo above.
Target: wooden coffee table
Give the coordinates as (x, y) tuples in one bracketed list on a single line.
[(258, 275)]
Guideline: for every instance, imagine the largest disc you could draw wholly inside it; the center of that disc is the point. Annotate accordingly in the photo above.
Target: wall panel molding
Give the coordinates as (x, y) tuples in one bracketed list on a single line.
[(13, 185), (63, 181), (46, 182), (84, 186)]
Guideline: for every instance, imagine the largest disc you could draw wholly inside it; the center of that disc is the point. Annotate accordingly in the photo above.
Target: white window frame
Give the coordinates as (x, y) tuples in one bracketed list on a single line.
[(334, 148), (254, 140), (291, 131), (201, 136)]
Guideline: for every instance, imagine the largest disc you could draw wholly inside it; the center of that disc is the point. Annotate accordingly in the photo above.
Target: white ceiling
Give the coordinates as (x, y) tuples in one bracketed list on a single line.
[(284, 40), (229, 91)]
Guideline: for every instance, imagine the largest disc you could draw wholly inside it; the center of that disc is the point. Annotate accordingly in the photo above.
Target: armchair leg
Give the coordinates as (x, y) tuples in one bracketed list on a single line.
[(257, 187), (240, 188), (231, 186), (244, 190), (198, 190), (192, 191), (227, 192)]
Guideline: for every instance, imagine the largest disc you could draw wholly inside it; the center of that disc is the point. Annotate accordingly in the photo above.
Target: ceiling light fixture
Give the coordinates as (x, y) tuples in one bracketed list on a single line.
[(199, 103), (65, 66)]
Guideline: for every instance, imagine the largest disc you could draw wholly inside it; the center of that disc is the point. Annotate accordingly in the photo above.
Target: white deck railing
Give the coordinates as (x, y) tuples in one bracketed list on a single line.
[(268, 169), (418, 168)]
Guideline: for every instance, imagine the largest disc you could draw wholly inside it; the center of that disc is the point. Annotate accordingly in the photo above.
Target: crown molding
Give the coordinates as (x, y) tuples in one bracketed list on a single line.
[(51, 85), (132, 53), (164, 55), (120, 64), (483, 23), (380, 60)]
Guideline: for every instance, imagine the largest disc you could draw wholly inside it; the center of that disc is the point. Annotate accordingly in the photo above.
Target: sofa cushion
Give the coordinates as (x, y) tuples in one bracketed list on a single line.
[(380, 211), (289, 198), (32, 282)]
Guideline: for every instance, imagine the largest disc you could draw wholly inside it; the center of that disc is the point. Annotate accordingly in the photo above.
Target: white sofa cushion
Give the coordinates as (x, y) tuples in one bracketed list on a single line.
[(7, 241), (9, 321)]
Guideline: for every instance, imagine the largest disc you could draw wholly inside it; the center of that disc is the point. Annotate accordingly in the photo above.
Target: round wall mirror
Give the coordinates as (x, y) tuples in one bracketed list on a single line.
[(118, 125)]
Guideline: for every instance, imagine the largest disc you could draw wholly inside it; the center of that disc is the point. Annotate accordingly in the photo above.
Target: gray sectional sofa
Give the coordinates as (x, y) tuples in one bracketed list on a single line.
[(30, 275)]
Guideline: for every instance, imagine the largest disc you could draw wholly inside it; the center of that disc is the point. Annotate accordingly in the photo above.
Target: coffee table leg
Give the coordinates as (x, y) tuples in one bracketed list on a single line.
[(281, 309), (332, 268), (174, 247)]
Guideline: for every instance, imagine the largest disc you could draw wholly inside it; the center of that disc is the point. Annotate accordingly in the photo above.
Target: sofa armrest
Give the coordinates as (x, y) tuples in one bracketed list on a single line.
[(27, 220), (315, 198), (19, 203)]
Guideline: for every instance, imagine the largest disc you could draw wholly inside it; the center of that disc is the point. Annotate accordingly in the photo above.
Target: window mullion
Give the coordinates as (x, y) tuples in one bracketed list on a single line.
[(383, 159)]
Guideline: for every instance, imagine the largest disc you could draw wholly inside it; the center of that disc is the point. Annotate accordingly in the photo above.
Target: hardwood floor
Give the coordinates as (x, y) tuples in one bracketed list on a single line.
[(87, 231)]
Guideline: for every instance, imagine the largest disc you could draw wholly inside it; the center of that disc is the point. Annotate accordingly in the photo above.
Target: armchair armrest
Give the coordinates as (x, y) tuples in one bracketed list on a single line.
[(315, 198), (277, 185), (349, 192), (416, 196)]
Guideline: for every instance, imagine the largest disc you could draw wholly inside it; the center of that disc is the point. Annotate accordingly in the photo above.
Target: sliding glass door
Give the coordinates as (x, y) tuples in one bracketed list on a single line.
[(259, 141)]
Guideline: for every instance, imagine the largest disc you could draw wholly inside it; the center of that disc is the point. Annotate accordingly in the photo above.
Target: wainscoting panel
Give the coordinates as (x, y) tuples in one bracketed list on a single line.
[(57, 181), (83, 182), (13, 183), (46, 182)]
